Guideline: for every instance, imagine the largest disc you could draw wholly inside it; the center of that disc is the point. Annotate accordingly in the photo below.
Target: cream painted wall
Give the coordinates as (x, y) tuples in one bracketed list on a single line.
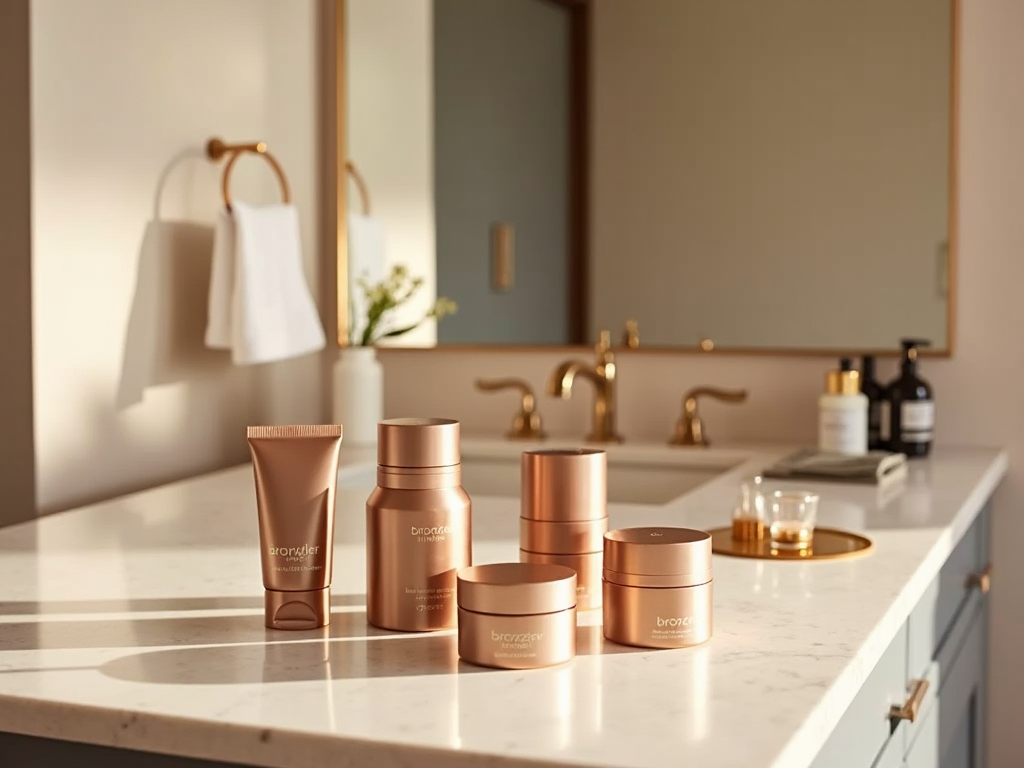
[(721, 119), (978, 391), (390, 137), (124, 95)]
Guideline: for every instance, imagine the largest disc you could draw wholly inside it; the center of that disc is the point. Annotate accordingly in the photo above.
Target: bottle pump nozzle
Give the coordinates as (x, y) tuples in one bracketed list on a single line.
[(910, 348)]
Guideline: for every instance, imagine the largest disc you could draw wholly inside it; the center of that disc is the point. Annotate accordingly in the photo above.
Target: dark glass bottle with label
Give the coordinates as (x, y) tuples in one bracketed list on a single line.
[(911, 407), (876, 395)]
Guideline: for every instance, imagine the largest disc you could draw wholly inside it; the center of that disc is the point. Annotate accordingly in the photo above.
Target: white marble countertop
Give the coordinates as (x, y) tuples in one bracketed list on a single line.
[(137, 623)]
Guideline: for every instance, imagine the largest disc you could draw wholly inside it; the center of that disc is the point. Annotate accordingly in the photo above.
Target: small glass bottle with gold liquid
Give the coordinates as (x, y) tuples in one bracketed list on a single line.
[(748, 516)]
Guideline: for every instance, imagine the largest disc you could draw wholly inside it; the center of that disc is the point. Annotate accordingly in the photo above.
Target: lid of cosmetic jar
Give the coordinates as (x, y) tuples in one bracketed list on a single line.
[(564, 485), (413, 443), (516, 589), (657, 557)]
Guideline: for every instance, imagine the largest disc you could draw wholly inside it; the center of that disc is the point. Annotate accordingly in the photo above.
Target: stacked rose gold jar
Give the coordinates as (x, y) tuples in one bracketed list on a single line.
[(564, 515)]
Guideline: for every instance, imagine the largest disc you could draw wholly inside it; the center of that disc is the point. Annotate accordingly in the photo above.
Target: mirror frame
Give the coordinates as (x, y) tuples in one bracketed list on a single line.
[(579, 222)]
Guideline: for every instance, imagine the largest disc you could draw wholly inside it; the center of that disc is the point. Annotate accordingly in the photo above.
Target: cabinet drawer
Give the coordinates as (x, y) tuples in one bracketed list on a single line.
[(865, 727), (933, 617)]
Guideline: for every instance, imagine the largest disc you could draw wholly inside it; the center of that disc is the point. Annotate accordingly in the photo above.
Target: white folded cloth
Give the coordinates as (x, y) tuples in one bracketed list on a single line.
[(259, 304), (365, 260)]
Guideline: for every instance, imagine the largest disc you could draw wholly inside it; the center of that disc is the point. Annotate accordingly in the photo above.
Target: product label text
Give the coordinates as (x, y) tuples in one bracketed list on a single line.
[(425, 533), (672, 626), (296, 559), (515, 645)]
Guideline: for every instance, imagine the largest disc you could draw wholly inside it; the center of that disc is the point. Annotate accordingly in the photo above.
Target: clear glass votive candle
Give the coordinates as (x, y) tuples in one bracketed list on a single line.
[(792, 517)]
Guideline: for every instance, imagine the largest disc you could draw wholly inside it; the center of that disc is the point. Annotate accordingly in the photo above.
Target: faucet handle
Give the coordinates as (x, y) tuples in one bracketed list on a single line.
[(689, 429), (631, 335), (526, 423)]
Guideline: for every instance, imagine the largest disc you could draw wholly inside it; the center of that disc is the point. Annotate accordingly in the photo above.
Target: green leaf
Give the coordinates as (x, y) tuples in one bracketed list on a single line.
[(400, 331)]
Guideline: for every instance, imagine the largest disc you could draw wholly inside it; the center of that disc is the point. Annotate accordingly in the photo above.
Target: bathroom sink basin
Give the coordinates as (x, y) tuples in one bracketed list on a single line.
[(636, 474)]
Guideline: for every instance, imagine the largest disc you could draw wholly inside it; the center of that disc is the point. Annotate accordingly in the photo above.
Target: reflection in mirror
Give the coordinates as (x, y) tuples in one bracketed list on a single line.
[(744, 175)]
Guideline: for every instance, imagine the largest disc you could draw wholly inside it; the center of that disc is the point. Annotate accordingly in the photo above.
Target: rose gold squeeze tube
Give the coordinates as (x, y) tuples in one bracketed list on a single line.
[(296, 471), (564, 514), (657, 587), (418, 526)]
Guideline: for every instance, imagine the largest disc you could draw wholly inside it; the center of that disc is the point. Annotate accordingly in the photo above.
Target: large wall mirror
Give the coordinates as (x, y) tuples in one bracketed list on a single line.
[(751, 175)]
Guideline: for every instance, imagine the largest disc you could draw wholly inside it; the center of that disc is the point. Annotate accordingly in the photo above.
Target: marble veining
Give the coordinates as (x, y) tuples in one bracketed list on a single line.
[(138, 623)]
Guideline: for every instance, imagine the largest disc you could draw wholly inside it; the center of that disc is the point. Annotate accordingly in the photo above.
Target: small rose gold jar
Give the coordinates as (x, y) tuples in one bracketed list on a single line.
[(564, 514), (517, 615), (657, 587)]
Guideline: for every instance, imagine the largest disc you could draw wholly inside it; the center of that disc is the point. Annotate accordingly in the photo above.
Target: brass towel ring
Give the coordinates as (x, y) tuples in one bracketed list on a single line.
[(364, 190), (216, 149)]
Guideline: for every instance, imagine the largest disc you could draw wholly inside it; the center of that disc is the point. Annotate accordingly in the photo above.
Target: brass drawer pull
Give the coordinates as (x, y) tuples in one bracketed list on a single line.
[(910, 707), (982, 580)]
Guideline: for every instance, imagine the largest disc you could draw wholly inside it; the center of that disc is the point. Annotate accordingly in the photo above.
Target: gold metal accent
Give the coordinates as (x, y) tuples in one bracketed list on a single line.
[(706, 345), (838, 382), (526, 424), (827, 544), (503, 257), (602, 375), (952, 191), (361, 185), (217, 149), (910, 708), (690, 428), (982, 580), (631, 336)]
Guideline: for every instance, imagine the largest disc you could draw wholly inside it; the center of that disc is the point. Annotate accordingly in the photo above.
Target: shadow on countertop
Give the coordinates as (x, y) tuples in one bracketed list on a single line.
[(379, 656)]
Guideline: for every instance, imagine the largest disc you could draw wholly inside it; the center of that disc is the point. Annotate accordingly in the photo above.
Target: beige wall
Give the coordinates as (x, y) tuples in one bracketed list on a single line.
[(124, 95), (977, 392), (17, 460), (714, 126), (391, 136)]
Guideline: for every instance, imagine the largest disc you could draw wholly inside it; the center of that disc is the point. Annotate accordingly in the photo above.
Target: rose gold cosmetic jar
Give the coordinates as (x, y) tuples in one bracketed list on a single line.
[(517, 615), (564, 514), (657, 587)]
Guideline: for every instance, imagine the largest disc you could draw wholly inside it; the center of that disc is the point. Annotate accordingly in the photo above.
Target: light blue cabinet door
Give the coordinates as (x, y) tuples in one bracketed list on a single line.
[(961, 716), (865, 729)]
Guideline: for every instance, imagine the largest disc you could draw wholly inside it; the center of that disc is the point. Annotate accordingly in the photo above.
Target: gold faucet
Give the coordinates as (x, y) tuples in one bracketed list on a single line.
[(526, 423), (602, 375), (689, 428)]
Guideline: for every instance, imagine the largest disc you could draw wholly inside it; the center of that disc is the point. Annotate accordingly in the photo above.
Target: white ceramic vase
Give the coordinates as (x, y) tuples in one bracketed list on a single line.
[(358, 394)]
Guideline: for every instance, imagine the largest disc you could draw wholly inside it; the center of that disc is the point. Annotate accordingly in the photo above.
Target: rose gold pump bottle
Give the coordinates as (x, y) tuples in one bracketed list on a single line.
[(418, 526)]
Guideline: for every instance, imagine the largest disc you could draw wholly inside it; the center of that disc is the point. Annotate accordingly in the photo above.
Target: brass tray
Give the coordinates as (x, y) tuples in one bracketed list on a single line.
[(828, 544)]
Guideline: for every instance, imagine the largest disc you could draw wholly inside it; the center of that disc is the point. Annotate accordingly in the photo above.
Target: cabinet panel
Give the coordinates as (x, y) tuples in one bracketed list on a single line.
[(924, 752), (962, 697), (865, 727), (922, 735), (933, 617)]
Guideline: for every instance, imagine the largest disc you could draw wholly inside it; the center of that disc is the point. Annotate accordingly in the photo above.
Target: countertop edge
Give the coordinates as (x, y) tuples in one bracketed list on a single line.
[(264, 747)]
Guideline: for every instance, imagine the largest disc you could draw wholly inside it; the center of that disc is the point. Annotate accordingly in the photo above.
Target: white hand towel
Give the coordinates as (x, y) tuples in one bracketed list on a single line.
[(222, 283), (365, 260), (271, 314)]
